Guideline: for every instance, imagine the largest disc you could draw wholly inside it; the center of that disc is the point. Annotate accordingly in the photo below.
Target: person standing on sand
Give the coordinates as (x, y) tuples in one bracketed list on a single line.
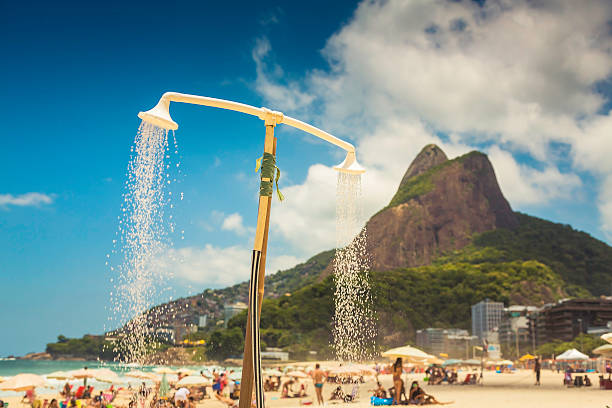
[(536, 368), (318, 377), (398, 369)]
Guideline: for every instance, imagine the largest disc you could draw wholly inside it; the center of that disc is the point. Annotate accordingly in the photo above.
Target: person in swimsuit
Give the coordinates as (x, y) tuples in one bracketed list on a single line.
[(419, 397), (318, 377), (398, 368)]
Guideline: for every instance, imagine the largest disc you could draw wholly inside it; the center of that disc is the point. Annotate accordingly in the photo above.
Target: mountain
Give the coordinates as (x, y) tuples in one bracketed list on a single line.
[(447, 239)]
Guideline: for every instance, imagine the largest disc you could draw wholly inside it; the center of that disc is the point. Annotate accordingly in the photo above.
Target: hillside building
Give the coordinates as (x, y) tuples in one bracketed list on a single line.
[(568, 318), (231, 310), (457, 343), (486, 318)]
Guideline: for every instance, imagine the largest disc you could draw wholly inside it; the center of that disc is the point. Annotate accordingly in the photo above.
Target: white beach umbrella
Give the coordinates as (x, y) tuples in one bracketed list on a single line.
[(83, 373), (408, 353), (142, 375), (506, 363), (185, 371), (273, 372), (193, 380), (106, 375), (22, 382), (297, 374), (607, 337), (605, 350), (572, 354), (60, 375)]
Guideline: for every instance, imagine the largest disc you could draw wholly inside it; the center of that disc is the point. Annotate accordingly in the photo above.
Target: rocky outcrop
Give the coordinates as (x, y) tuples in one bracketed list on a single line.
[(439, 205), (37, 356), (430, 156)]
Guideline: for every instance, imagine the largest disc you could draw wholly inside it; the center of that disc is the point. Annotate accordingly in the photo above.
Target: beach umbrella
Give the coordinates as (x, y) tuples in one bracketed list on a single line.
[(297, 374), (506, 363), (60, 375), (142, 375), (527, 357), (409, 353), (235, 376), (433, 360), (83, 373), (164, 387), (273, 372), (164, 370), (572, 354), (106, 375), (452, 362), (191, 380), (185, 371), (605, 350), (607, 337), (22, 382), (2, 379)]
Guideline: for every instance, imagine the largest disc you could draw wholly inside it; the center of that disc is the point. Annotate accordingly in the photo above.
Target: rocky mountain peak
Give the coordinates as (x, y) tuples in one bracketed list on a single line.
[(430, 156), (439, 206)]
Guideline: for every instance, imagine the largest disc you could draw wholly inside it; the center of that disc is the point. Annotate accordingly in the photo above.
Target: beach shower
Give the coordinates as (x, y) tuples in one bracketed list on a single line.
[(159, 116)]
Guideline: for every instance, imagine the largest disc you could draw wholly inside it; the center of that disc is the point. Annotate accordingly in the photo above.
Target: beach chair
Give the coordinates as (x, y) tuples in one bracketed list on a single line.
[(353, 395), (79, 392)]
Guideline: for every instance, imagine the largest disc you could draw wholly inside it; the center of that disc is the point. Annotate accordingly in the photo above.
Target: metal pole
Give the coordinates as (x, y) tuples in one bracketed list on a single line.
[(251, 362)]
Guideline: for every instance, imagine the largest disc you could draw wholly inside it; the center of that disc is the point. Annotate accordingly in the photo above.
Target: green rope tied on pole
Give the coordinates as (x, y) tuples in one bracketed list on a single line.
[(269, 170)]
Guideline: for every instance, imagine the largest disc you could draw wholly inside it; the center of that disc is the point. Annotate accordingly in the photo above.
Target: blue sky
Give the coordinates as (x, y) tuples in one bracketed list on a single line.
[(389, 76)]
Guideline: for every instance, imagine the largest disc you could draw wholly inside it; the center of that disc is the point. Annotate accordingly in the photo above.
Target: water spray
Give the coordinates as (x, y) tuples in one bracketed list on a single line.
[(160, 116)]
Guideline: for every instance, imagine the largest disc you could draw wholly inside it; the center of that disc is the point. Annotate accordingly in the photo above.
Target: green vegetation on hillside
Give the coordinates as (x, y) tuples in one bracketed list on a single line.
[(584, 343), (582, 261), (86, 347), (405, 299)]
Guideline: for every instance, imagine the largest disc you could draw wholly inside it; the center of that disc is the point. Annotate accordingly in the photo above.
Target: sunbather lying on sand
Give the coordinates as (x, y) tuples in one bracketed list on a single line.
[(419, 397)]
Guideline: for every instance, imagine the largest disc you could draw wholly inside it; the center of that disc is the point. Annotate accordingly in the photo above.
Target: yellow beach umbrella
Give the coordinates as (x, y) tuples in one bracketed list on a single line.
[(527, 357), (22, 382)]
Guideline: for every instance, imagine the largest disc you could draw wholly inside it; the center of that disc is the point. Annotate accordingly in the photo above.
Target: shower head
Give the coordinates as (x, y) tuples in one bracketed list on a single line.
[(160, 115), (350, 165)]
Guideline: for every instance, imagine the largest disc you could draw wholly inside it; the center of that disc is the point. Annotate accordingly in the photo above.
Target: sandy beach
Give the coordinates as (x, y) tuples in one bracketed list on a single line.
[(499, 390)]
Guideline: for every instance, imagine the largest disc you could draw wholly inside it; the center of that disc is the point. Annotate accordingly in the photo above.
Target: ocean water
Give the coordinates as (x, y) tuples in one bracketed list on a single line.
[(10, 368)]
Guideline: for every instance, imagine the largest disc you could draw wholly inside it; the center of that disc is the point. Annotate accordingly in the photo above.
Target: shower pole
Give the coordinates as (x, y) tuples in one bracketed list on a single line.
[(251, 362), (159, 116)]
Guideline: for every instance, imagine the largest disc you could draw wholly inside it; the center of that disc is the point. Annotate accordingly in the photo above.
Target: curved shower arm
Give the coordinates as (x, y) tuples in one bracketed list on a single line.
[(269, 116)]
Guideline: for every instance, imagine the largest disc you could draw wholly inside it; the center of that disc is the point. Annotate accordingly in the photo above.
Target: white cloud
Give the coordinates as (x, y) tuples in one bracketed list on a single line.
[(524, 185), (25, 200), (217, 266), (517, 75), (233, 222)]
